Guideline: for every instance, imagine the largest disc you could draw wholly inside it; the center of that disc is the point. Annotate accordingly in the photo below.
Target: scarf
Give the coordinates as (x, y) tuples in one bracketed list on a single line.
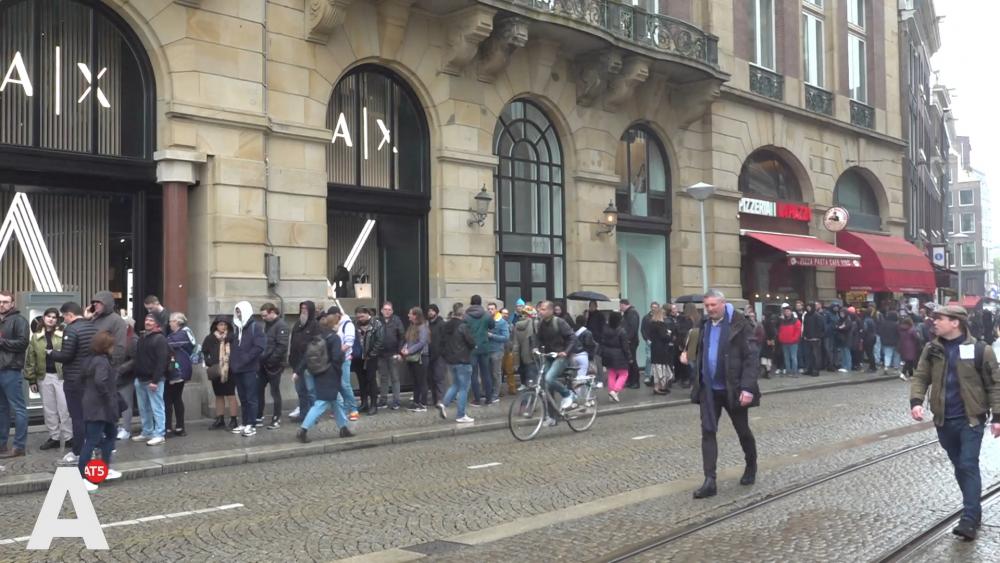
[(223, 356)]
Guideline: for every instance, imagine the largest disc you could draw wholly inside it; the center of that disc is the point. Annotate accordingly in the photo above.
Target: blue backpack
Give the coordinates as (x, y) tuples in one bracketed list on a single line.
[(358, 350)]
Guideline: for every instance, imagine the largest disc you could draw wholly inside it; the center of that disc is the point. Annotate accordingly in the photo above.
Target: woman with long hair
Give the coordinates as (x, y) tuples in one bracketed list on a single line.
[(182, 343), (100, 405), (216, 348), (416, 353)]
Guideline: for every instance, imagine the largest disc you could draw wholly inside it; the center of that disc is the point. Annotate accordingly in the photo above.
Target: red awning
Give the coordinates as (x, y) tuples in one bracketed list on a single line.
[(968, 301), (804, 250), (891, 264)]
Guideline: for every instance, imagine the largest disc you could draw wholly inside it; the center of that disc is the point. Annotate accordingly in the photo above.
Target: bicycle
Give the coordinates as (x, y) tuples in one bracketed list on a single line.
[(535, 405)]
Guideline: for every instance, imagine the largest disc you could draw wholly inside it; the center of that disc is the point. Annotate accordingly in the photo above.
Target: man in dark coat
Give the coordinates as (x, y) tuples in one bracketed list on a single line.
[(248, 346), (813, 330), (14, 335), (74, 356), (388, 362), (630, 320), (272, 363), (727, 380), (304, 330), (438, 372)]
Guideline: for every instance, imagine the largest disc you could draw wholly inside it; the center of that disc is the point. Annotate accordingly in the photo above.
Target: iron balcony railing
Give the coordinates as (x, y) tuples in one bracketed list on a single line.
[(862, 115), (633, 24), (767, 83)]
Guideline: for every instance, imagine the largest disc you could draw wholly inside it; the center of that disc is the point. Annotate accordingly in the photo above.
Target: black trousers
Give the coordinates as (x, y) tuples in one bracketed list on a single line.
[(437, 376), (741, 423), (74, 404), (633, 366), (173, 403), (418, 372), (274, 380), (367, 371), (814, 351)]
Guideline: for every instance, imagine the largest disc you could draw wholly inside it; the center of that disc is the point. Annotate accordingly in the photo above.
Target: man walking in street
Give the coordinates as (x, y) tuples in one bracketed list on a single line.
[(630, 321), (305, 329), (727, 381), (347, 332), (388, 367), (244, 364), (74, 354), (963, 378), (14, 334), (272, 363)]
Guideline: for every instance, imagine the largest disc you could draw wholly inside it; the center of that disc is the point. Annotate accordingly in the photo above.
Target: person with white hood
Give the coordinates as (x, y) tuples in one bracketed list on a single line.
[(244, 363)]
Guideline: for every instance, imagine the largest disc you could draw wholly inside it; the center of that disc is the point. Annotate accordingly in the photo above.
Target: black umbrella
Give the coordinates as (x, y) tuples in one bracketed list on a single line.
[(587, 296), (690, 298)]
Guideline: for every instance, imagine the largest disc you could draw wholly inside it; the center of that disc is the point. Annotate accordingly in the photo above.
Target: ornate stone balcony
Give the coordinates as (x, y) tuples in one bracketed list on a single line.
[(767, 83), (819, 100), (862, 115)]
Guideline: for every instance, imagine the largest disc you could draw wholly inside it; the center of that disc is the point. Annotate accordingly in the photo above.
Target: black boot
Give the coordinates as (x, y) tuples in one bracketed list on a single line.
[(749, 475), (233, 423), (345, 432), (220, 422), (966, 529), (302, 436), (707, 489), (372, 409)]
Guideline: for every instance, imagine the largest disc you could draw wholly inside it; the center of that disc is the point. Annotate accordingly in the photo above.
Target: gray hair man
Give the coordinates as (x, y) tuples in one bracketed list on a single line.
[(727, 379)]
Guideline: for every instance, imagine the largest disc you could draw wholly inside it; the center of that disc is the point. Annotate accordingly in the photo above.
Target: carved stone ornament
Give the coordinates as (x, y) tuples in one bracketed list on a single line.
[(322, 16), (509, 33), (593, 72), (467, 29), (635, 71), (690, 101)]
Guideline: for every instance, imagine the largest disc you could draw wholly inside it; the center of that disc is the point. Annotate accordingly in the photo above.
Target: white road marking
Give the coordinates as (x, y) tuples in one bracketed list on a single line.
[(485, 465), (146, 519), (643, 437), (883, 436)]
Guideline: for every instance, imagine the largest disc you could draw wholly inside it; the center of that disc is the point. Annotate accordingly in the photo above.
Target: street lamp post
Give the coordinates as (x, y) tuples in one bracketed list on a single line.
[(958, 239), (702, 191)]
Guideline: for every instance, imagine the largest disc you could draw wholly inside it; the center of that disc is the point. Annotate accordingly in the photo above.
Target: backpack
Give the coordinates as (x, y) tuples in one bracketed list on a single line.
[(358, 349), (317, 355)]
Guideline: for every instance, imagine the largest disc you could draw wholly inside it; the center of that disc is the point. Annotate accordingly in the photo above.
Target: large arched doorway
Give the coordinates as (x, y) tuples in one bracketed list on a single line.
[(77, 129), (529, 188), (379, 190)]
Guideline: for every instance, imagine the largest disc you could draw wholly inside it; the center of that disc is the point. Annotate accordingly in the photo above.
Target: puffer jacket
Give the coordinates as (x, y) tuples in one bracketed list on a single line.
[(524, 341), (113, 323), (182, 345), (615, 352), (75, 352), (14, 335), (275, 356), (980, 392), (34, 360), (789, 330), (457, 342)]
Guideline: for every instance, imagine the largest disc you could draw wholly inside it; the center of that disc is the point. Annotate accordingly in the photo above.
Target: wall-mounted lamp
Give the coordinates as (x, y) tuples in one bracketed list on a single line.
[(482, 208), (609, 219)]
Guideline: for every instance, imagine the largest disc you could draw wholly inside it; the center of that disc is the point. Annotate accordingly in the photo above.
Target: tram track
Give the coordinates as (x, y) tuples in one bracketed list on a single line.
[(631, 551)]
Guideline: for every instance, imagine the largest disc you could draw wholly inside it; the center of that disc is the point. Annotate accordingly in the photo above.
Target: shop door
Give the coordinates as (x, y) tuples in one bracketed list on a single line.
[(642, 263), (525, 277)]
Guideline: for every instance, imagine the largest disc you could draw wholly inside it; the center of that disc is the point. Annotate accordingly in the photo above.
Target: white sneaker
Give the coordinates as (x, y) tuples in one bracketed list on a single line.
[(442, 411), (902, 376), (613, 395), (140, 438), (70, 457), (91, 488), (599, 385), (240, 429), (112, 475), (249, 431), (567, 402), (465, 419), (294, 413), (156, 441), (842, 370), (124, 434), (549, 421)]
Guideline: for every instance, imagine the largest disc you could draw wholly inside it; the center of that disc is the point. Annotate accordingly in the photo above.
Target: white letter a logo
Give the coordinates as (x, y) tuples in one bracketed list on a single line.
[(20, 220), (49, 525)]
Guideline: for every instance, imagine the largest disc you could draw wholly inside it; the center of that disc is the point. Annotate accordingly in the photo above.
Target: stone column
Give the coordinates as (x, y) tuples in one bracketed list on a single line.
[(176, 170)]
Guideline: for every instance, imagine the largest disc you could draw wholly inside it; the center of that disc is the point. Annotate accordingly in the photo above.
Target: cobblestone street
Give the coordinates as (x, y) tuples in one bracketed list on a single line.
[(483, 496)]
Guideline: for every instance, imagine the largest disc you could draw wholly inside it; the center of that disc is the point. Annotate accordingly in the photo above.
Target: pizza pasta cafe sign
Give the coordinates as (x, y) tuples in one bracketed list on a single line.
[(779, 209)]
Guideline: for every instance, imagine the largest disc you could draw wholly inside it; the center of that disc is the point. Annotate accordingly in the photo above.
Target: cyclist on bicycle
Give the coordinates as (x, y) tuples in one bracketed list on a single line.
[(555, 336)]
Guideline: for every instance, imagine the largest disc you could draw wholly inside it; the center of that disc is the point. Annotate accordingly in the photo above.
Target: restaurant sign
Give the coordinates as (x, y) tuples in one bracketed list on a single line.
[(823, 262), (779, 209)]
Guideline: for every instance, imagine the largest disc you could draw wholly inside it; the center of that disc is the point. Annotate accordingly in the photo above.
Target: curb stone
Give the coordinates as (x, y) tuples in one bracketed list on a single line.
[(34, 482)]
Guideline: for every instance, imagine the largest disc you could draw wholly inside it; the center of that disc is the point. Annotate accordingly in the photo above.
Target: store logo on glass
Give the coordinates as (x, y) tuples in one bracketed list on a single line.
[(86, 526), (17, 74)]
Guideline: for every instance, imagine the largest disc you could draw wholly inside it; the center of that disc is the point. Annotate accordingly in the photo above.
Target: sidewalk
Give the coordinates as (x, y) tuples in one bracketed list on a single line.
[(205, 449)]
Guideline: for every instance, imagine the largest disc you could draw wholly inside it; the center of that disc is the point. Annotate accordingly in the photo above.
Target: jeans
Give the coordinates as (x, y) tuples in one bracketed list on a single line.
[(496, 372), (791, 352), (461, 377), (481, 373), (828, 353), (552, 372), (151, 409), (57, 420), (962, 442), (891, 359), (74, 403), (878, 350), (12, 399), (102, 435), (388, 371), (582, 363), (346, 395), (173, 400), (305, 387), (846, 362), (265, 379), (246, 388), (127, 390), (321, 406)]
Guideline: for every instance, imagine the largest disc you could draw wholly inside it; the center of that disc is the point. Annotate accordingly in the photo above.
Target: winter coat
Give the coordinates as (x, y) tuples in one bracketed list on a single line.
[(275, 356), (35, 364), (615, 351), (392, 336), (735, 361), (301, 335), (789, 330), (499, 336), (152, 358), (182, 345), (75, 351), (371, 338), (420, 343), (814, 326), (554, 335), (909, 344), (644, 326), (249, 342), (596, 323), (585, 342), (524, 341), (480, 324), (457, 342), (888, 329), (211, 349), (113, 323), (630, 322), (328, 384), (100, 392), (14, 335), (662, 347), (980, 393), (437, 336)]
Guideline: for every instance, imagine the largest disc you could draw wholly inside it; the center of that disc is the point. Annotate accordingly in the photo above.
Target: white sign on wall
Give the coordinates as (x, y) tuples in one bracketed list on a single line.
[(758, 207), (343, 132), (17, 73), (21, 221)]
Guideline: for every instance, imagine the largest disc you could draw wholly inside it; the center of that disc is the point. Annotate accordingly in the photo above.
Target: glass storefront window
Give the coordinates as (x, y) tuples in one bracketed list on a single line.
[(765, 174), (854, 194), (644, 190)]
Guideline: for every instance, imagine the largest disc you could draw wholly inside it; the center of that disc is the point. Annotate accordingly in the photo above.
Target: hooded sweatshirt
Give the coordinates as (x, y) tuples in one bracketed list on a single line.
[(479, 324), (112, 322), (248, 342), (302, 333)]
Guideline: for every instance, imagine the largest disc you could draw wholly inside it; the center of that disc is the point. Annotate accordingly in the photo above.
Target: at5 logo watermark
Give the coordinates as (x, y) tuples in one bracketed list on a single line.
[(65, 482)]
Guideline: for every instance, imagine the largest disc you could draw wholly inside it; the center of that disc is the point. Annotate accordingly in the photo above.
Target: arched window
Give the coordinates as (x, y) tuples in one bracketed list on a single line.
[(854, 193), (765, 174), (75, 78), (379, 134), (644, 190), (529, 187)]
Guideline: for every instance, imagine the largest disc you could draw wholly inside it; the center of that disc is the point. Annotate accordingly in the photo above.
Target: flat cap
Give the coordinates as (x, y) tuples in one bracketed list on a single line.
[(953, 311)]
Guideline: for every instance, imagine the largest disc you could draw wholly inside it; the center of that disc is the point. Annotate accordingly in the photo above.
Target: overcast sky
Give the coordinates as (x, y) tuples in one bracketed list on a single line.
[(967, 63)]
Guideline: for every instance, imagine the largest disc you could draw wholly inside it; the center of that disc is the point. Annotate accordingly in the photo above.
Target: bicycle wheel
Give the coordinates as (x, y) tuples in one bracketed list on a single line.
[(526, 415), (582, 417)]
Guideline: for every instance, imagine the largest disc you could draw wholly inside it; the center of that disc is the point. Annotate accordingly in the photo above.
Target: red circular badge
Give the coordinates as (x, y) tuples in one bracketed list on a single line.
[(95, 471)]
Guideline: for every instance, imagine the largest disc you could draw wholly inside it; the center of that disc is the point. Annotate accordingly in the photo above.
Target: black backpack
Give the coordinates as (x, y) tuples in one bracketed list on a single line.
[(318, 355)]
